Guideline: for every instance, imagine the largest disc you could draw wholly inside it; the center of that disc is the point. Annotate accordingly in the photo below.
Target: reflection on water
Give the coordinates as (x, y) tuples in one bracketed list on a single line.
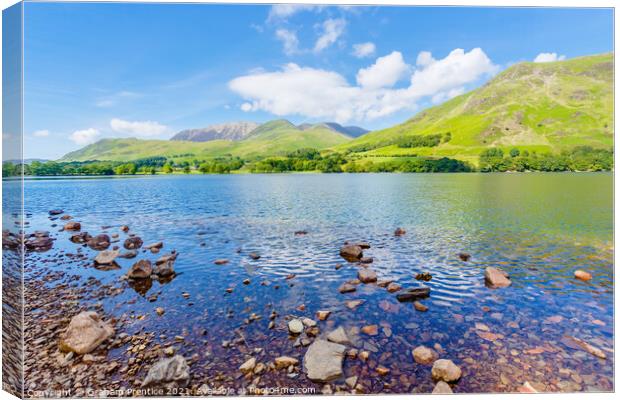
[(537, 227)]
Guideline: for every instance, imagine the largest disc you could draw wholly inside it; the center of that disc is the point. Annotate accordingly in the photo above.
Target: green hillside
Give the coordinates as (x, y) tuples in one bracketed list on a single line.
[(544, 107), (270, 139)]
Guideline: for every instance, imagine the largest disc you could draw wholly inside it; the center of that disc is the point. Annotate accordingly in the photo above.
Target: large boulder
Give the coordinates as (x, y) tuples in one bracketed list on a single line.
[(496, 278), (323, 361), (164, 267), (445, 370), (99, 242), (133, 243), (168, 373), (351, 252), (414, 293), (86, 331), (140, 270)]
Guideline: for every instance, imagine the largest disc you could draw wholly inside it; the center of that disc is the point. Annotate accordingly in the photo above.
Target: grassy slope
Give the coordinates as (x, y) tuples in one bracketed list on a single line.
[(272, 138), (542, 106)]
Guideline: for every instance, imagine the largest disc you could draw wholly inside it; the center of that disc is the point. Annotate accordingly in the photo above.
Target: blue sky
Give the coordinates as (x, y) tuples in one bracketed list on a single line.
[(102, 70)]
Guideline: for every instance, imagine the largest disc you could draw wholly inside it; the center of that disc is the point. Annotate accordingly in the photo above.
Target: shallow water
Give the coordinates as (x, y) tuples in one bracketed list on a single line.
[(539, 228)]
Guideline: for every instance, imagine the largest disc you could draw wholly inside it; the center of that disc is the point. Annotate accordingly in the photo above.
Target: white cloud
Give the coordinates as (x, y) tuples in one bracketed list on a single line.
[(317, 93), (41, 133), (283, 11), (361, 50), (85, 136), (385, 72), (139, 128), (332, 29), (548, 57), (289, 40)]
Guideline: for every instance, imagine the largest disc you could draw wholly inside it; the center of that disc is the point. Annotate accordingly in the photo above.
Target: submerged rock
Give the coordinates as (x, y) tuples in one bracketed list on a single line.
[(338, 336), (55, 212), (527, 388), (323, 361), (86, 331), (399, 232), (419, 306), (220, 261), (367, 275), (496, 278), (347, 288), (285, 362), (140, 270), (423, 276), (351, 252), (595, 351), (445, 370), (393, 287), (583, 275), (442, 388), (370, 330), (168, 373), (132, 243), (412, 294), (248, 366), (322, 315), (424, 355)]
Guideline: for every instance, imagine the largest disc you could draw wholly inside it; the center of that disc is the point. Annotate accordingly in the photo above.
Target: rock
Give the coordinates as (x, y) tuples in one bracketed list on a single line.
[(527, 388), (464, 256), (140, 270), (72, 226), (295, 326), (353, 304), (86, 331), (322, 315), (301, 233), (351, 381), (81, 237), (124, 228), (259, 369), (370, 330), (164, 266), (347, 288), (595, 351), (156, 245), (367, 275), (442, 388), (338, 336), (220, 261), (423, 276), (248, 366), (133, 243), (106, 257), (583, 275), (424, 355), (366, 260), (412, 294), (129, 254), (99, 242), (168, 373), (39, 243), (419, 306), (445, 370), (55, 212), (364, 355), (496, 278), (381, 370), (66, 217), (285, 362), (363, 245), (323, 361), (393, 287), (166, 258), (399, 232), (246, 281), (254, 256), (160, 311), (351, 252), (308, 322)]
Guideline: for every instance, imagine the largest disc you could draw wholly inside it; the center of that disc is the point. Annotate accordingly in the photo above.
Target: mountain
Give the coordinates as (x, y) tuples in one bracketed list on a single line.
[(352, 131), (545, 107), (226, 131), (269, 139)]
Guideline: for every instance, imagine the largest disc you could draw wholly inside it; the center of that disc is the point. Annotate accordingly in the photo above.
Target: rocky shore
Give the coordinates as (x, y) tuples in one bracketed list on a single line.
[(75, 344)]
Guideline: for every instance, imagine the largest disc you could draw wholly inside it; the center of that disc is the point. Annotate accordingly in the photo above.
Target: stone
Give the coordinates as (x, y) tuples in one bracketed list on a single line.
[(423, 276), (81, 237), (106, 257), (254, 256), (285, 362), (140, 270), (156, 245), (399, 232), (496, 278), (133, 243), (164, 266), (366, 260), (445, 370), (370, 330), (308, 322), (220, 261), (583, 275), (72, 226), (527, 388), (353, 304), (338, 336), (347, 288), (124, 228), (424, 355), (55, 212), (129, 254), (322, 315), (85, 332), (393, 287), (367, 275), (160, 311), (248, 366), (351, 252), (464, 256), (419, 306), (595, 351), (442, 388), (381, 370), (412, 294), (99, 242), (168, 373), (364, 355), (323, 361), (351, 381), (295, 326)]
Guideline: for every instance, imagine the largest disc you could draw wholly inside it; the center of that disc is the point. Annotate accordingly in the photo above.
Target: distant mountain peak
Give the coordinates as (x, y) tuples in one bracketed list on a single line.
[(233, 131), (352, 131)]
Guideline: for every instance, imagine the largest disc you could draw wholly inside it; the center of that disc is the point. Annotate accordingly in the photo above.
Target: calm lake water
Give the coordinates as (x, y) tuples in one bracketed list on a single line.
[(539, 228)]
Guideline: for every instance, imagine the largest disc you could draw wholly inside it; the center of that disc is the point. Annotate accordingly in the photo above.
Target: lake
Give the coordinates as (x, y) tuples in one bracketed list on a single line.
[(539, 228)]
